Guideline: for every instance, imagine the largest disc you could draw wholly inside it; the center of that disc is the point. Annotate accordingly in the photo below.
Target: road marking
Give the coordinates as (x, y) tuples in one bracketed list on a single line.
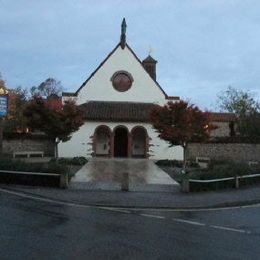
[(116, 210), (231, 229), (211, 226), (36, 197), (188, 222), (129, 211), (152, 216), (193, 209)]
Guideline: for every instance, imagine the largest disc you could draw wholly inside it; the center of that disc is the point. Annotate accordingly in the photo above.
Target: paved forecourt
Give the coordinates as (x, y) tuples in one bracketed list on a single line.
[(107, 174)]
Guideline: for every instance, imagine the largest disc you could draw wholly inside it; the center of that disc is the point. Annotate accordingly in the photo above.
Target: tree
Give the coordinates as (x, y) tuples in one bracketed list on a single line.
[(55, 119), (180, 123), (16, 121), (47, 88), (247, 109), (249, 126), (237, 101), (2, 82)]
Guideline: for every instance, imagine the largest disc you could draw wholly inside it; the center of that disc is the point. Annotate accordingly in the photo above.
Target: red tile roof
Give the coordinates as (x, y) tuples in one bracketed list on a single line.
[(223, 117), (68, 94), (132, 112), (117, 111)]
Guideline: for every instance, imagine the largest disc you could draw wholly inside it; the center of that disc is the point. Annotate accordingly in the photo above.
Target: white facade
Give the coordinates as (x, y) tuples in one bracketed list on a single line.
[(81, 142), (98, 87)]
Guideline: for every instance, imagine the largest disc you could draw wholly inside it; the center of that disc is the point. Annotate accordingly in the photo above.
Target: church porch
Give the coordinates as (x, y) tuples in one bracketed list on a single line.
[(120, 142)]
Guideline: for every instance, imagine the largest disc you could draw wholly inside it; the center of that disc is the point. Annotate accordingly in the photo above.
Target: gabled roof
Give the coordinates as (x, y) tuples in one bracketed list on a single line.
[(103, 62), (117, 111)]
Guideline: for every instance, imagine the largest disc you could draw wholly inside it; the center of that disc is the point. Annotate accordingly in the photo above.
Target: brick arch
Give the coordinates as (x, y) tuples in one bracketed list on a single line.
[(140, 142), (102, 141)]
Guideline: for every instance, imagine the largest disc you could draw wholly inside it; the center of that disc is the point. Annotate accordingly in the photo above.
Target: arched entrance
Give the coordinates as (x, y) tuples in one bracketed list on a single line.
[(102, 141), (139, 142), (120, 142)]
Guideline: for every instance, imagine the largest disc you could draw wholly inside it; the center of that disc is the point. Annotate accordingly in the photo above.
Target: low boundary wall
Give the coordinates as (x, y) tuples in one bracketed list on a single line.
[(239, 152), (17, 145)]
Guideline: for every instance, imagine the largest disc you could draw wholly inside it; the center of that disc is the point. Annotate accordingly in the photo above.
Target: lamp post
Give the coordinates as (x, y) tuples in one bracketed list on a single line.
[(3, 111)]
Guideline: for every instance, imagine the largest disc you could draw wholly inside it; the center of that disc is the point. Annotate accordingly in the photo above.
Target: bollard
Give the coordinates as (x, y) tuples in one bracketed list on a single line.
[(185, 185), (125, 181), (236, 182), (64, 180)]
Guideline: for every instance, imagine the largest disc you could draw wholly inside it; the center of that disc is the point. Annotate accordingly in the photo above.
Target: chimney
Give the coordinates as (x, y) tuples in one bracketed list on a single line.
[(149, 65)]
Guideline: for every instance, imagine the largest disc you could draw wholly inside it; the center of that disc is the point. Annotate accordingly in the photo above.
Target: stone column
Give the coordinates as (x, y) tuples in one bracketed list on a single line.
[(112, 137), (129, 146)]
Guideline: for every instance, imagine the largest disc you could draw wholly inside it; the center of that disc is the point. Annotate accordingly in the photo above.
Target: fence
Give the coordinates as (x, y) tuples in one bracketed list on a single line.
[(236, 180)]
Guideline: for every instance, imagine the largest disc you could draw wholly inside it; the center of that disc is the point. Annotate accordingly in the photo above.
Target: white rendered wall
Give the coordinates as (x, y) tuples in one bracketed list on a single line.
[(81, 144), (99, 87)]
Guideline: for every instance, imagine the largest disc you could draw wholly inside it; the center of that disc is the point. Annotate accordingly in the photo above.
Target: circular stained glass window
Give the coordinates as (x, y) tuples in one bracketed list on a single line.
[(122, 81)]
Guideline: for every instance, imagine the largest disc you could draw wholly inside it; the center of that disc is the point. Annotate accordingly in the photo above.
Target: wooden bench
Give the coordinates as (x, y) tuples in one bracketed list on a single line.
[(28, 153), (203, 162)]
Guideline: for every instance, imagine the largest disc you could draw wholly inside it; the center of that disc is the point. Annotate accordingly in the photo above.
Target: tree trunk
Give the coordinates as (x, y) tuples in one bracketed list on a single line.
[(56, 150), (184, 158)]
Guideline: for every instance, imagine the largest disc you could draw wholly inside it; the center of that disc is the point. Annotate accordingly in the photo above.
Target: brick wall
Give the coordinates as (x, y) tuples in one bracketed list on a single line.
[(221, 151), (15, 145)]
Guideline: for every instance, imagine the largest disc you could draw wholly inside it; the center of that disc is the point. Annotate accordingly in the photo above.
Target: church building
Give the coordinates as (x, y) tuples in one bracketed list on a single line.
[(116, 101)]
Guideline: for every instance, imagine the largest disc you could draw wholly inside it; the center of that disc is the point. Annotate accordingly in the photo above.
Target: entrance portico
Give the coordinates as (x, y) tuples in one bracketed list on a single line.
[(120, 142)]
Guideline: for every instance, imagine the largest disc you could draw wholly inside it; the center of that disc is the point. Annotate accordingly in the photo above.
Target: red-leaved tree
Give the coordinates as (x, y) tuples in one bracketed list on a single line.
[(179, 123), (55, 119)]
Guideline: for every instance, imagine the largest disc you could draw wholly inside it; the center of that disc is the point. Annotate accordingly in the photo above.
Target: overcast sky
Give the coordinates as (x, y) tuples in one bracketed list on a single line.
[(202, 46)]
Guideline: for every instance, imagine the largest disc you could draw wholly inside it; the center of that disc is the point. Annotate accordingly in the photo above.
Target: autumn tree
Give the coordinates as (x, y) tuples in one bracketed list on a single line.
[(180, 123), (16, 121), (55, 119)]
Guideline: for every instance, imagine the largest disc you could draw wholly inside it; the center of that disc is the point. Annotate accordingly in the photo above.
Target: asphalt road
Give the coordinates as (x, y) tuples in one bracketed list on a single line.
[(34, 229)]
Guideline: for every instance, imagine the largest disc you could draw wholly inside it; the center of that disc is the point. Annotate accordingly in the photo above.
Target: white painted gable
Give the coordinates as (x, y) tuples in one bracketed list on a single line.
[(99, 86)]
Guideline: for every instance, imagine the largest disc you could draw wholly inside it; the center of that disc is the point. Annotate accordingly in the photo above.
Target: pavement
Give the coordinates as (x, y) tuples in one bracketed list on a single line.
[(155, 200)]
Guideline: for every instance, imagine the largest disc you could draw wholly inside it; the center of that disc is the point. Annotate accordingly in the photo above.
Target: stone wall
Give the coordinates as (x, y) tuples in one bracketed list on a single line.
[(222, 151), (16, 145)]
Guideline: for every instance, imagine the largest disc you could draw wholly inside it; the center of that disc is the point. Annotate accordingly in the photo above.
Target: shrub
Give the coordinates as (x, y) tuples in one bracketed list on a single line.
[(224, 169), (18, 165), (79, 160), (169, 163), (70, 161)]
